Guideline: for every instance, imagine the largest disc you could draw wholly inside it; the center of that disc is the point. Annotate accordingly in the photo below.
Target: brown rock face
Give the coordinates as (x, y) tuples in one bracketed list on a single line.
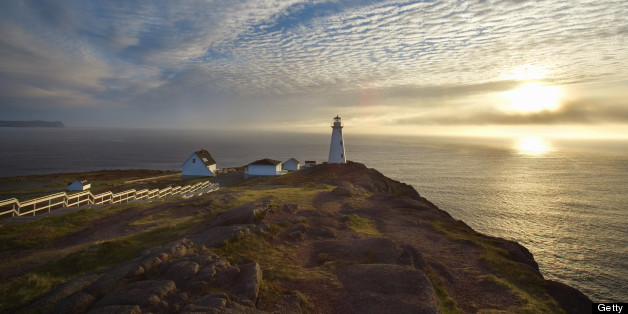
[(386, 288), (178, 275), (337, 238)]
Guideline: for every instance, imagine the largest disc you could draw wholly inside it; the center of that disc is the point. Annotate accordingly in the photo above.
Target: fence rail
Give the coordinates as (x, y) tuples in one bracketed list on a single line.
[(14, 207)]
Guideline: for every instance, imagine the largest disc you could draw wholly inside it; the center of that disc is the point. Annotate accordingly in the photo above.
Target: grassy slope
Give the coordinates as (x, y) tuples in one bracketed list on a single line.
[(28, 187), (275, 256), (67, 262), (167, 225)]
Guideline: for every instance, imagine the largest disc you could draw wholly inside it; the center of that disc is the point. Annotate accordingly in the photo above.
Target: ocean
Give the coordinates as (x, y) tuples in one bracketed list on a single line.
[(565, 200)]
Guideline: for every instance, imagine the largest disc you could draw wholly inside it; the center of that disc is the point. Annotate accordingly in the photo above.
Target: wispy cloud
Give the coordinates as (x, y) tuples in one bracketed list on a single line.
[(423, 58)]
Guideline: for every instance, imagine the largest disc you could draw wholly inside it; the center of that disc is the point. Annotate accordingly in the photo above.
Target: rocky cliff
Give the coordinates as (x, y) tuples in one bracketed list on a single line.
[(328, 239)]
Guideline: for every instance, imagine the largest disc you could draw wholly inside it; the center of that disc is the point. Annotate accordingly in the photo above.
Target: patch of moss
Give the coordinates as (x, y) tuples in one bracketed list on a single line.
[(281, 195), (362, 225), (276, 262), (523, 282), (447, 304), (269, 292), (531, 303), (259, 215), (254, 247), (305, 303), (323, 258), (331, 262)]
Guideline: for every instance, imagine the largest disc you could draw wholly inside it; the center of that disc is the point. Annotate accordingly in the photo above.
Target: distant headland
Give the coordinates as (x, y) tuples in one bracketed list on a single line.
[(31, 124)]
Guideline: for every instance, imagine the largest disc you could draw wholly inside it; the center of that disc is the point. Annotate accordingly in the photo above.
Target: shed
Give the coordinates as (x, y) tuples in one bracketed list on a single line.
[(199, 164), (309, 163), (264, 167), (291, 165), (79, 185)]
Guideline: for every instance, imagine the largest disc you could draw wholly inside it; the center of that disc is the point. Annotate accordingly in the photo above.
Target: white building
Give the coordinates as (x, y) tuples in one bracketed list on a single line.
[(291, 165), (79, 185), (336, 147), (199, 164), (264, 167)]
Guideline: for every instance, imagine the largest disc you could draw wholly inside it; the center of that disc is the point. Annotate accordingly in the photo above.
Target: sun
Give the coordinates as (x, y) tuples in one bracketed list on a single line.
[(532, 97)]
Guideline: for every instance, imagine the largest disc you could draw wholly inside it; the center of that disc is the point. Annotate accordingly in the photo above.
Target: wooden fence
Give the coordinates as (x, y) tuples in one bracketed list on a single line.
[(13, 207)]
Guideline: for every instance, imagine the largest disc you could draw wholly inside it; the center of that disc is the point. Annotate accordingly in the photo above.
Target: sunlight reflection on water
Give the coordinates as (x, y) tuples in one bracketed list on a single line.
[(566, 205), (533, 146)]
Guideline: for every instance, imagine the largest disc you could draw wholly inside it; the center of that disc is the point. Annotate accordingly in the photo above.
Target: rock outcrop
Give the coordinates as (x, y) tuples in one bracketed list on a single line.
[(344, 239), (173, 278)]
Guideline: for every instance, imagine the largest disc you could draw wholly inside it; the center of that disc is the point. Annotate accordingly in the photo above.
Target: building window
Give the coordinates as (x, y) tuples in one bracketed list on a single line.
[(193, 160), (342, 155), (340, 143)]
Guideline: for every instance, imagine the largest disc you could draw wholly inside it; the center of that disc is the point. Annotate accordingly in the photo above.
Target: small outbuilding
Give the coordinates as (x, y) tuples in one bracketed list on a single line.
[(264, 167), (309, 163), (199, 164), (79, 185), (291, 165)]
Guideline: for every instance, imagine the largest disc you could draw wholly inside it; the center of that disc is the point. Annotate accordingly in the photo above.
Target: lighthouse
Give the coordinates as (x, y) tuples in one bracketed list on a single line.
[(337, 146)]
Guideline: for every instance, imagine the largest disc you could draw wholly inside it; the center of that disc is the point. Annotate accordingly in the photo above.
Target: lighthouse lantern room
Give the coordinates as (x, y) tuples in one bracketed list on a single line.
[(336, 147)]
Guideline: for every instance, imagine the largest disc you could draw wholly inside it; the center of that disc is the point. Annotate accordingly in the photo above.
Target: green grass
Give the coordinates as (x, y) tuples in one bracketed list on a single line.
[(520, 281), (165, 216), (274, 259), (46, 230), (16, 292), (301, 195), (331, 262), (254, 247), (531, 303), (363, 225), (19, 193), (275, 262), (447, 304)]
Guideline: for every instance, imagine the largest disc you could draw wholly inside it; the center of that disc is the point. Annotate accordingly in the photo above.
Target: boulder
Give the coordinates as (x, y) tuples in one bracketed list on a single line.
[(384, 288), (63, 291), (79, 302), (217, 303), (244, 214), (217, 236), (288, 304), (571, 299), (242, 282), (110, 280), (145, 293), (362, 250), (182, 271)]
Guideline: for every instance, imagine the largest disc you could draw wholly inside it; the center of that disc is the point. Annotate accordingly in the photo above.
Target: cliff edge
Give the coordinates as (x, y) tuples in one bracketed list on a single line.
[(333, 238)]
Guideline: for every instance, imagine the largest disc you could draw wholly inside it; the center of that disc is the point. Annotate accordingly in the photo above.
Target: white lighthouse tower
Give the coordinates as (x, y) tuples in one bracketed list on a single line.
[(337, 146)]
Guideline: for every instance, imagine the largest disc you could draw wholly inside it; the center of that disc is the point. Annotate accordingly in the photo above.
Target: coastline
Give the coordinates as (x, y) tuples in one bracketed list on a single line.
[(352, 192)]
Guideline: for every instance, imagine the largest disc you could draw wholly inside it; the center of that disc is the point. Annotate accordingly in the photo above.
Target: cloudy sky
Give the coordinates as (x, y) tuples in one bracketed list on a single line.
[(415, 67)]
